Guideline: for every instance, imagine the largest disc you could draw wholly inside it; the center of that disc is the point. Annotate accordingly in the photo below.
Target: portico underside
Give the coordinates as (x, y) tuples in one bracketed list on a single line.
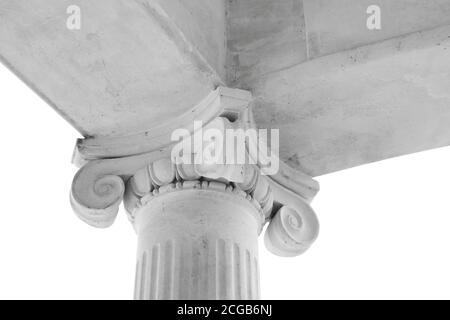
[(340, 94)]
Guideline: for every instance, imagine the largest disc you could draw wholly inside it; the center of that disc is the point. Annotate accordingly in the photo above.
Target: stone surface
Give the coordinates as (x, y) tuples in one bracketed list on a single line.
[(360, 106), (264, 36), (138, 64), (127, 69), (338, 25), (203, 22)]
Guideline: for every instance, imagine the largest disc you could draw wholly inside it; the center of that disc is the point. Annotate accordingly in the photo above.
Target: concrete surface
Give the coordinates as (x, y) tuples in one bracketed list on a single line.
[(128, 68), (342, 95), (362, 105)]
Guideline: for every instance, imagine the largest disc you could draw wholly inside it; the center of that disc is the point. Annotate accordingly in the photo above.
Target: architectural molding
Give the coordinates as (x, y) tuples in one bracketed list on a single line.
[(227, 102)]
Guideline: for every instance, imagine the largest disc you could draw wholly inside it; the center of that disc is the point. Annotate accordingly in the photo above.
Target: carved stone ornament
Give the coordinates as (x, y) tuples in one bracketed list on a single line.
[(197, 224)]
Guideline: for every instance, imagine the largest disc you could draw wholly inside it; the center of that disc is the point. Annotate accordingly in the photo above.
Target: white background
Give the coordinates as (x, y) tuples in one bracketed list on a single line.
[(385, 227)]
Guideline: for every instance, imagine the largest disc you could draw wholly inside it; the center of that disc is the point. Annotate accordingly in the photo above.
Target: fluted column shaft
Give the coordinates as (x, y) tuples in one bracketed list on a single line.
[(197, 244)]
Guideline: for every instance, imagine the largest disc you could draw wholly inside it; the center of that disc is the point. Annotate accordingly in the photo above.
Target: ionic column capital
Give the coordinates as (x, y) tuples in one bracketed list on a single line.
[(163, 177), (140, 168)]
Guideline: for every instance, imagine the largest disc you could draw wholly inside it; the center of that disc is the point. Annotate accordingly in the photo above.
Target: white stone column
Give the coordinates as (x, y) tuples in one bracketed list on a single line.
[(197, 240), (197, 236), (197, 223)]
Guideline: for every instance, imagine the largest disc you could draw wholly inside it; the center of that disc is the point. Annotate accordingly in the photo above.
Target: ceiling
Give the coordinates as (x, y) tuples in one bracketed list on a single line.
[(342, 95)]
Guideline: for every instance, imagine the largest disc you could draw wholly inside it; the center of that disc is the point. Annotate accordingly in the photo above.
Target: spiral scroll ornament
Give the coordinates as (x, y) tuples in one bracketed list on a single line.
[(95, 197)]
